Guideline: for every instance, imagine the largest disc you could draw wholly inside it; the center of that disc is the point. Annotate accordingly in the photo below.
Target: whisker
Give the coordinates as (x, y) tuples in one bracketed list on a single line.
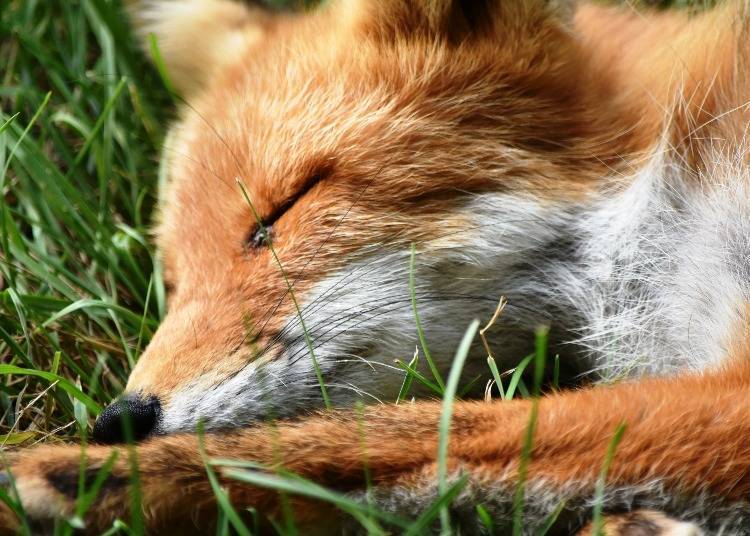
[(374, 312)]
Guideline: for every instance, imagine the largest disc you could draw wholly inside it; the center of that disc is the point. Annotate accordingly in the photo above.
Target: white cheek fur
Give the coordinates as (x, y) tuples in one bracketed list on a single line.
[(648, 276)]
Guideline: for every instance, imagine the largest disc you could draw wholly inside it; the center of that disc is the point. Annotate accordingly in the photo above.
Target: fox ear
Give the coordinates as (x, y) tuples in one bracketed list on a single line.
[(195, 37), (458, 20)]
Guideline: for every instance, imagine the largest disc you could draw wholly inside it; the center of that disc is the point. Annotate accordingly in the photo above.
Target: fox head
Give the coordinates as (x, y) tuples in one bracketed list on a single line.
[(314, 150)]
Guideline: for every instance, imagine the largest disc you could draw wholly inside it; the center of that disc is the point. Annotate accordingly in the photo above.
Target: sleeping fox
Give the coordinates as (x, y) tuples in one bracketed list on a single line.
[(588, 163)]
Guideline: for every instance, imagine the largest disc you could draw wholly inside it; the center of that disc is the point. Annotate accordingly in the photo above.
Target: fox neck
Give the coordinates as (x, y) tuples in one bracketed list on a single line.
[(646, 276)]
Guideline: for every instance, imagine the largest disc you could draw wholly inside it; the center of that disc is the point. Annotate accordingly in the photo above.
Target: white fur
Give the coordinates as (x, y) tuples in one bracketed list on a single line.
[(694, 514), (361, 319), (668, 272), (650, 275)]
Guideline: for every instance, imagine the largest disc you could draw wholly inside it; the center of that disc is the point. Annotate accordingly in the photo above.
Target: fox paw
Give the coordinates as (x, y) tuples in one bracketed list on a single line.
[(45, 482), (643, 523)]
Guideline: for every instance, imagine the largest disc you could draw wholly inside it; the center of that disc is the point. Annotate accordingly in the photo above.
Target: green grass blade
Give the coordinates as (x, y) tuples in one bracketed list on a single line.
[(422, 524), (552, 519), (62, 383), (418, 323), (290, 289), (526, 449), (446, 415), (516, 376), (597, 520), (221, 495), (419, 377), (161, 67), (540, 357), (496, 376), (363, 513), (408, 378)]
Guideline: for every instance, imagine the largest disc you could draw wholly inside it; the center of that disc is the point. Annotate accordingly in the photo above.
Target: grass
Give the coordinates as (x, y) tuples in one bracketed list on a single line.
[(81, 293)]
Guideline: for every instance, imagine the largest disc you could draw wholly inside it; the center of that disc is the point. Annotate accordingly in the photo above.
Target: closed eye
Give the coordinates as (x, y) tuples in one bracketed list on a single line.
[(262, 233)]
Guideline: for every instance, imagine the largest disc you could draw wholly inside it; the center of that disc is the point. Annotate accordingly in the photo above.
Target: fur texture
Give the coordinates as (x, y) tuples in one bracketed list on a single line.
[(589, 164)]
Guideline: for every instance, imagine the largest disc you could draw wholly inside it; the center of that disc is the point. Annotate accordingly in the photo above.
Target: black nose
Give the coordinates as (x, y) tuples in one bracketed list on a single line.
[(137, 413)]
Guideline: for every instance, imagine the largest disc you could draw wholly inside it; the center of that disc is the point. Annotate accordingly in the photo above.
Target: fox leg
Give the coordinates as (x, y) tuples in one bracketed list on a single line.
[(684, 452)]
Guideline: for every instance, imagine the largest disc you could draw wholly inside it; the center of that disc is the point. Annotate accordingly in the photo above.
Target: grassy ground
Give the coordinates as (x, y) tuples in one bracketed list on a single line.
[(81, 118)]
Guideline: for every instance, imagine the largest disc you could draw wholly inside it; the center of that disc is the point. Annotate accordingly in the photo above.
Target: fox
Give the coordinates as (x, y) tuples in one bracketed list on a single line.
[(331, 171)]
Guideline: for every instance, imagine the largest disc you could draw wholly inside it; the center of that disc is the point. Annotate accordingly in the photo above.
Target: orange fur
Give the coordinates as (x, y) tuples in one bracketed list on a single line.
[(406, 103), (395, 138), (689, 431)]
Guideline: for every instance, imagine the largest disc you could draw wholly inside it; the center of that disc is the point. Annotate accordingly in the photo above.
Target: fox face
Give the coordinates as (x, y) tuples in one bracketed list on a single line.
[(312, 151), (332, 171)]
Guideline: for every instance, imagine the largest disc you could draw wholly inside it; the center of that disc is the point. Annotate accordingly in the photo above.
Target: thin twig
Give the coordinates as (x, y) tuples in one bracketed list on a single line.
[(498, 311)]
